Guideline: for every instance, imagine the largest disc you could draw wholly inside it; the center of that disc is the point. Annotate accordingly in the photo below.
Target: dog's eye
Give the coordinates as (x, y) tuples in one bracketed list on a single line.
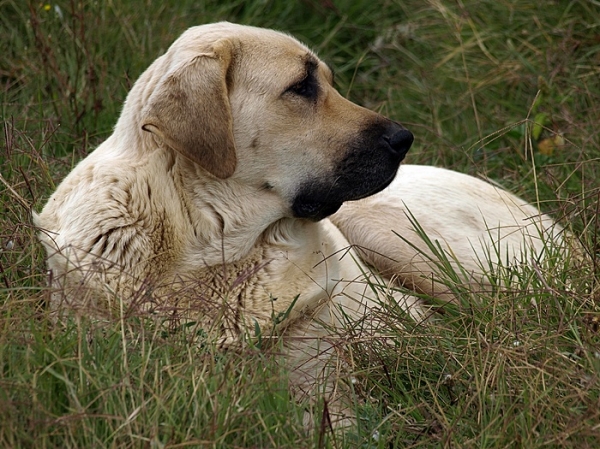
[(307, 88)]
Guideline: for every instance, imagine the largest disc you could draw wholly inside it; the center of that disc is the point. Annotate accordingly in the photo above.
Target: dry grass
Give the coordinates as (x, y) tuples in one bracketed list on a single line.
[(508, 90)]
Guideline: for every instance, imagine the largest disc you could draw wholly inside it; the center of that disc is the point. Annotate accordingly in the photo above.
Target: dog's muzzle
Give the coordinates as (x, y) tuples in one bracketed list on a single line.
[(369, 166)]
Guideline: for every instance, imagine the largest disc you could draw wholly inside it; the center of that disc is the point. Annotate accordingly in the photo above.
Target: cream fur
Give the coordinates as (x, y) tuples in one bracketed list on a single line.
[(477, 225), (188, 205)]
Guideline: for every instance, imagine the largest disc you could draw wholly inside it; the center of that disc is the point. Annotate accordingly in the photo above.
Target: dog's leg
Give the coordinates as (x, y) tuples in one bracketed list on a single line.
[(319, 348), (431, 220)]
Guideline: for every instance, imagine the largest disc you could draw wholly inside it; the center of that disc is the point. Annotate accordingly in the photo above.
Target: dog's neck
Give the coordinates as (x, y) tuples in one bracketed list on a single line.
[(220, 226), (224, 228)]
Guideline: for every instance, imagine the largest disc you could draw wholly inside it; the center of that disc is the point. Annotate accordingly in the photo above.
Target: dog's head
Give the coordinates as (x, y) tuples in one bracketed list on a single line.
[(256, 107)]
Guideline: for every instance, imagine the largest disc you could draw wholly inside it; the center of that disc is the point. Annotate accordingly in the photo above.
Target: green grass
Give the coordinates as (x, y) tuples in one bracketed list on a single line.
[(515, 367)]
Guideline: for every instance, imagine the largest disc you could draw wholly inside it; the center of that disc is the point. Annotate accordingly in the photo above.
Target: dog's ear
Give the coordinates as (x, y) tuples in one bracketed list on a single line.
[(190, 111)]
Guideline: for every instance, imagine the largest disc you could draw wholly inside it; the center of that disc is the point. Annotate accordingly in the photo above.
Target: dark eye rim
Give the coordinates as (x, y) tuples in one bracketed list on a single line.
[(306, 88)]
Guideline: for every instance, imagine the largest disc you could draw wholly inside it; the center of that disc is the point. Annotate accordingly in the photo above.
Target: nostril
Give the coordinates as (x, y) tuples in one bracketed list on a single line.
[(401, 141)]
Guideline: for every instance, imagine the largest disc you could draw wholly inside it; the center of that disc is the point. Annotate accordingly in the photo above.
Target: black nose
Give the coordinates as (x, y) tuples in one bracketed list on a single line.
[(400, 142)]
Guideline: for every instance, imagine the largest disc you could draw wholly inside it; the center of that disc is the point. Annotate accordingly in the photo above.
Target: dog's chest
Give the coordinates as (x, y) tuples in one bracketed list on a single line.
[(266, 289)]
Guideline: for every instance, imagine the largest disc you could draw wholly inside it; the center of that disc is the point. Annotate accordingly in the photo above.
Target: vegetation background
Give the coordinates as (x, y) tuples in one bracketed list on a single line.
[(507, 90)]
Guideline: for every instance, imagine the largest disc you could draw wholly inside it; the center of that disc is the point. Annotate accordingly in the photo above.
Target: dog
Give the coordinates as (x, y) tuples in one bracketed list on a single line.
[(242, 191)]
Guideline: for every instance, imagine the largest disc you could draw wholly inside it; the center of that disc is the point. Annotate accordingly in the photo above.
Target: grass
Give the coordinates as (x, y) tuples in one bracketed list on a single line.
[(508, 90)]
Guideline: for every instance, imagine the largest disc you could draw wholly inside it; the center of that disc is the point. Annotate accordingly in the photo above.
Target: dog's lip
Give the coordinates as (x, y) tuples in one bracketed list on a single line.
[(318, 209), (377, 189)]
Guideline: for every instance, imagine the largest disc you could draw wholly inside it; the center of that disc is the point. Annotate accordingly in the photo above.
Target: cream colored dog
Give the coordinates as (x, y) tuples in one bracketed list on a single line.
[(209, 203)]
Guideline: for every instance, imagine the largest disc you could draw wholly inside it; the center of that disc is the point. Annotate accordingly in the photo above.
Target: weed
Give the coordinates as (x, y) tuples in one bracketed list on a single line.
[(505, 90)]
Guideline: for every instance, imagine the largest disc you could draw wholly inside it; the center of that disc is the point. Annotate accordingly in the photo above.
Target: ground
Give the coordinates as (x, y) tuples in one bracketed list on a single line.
[(505, 90)]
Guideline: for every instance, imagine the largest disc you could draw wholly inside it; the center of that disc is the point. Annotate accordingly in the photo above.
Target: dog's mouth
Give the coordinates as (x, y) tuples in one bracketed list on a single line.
[(318, 203), (369, 166), (315, 210)]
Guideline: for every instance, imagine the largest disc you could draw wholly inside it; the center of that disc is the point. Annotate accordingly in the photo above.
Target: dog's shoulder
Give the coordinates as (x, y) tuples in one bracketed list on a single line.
[(112, 208)]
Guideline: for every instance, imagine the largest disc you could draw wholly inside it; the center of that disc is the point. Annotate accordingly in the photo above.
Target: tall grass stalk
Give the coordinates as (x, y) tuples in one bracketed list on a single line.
[(505, 90)]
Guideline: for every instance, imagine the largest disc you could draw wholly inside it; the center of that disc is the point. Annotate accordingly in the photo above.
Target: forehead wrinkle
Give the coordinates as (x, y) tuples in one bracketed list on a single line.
[(313, 64), (310, 63)]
